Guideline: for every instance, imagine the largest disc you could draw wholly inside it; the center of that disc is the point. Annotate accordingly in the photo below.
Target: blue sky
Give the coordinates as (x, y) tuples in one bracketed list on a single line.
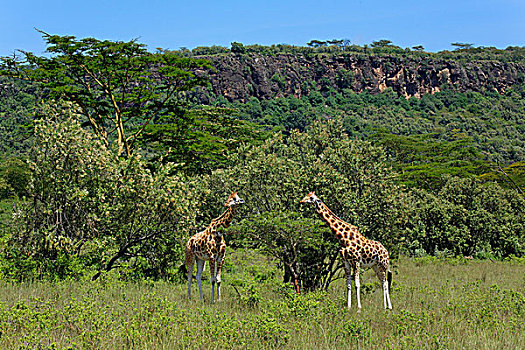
[(174, 24)]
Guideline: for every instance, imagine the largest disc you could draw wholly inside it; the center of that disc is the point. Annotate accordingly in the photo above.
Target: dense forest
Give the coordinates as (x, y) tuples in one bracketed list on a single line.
[(111, 156)]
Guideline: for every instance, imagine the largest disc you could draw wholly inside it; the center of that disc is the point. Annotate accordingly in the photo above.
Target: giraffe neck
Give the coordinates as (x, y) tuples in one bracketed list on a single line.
[(225, 219), (326, 214), (343, 230)]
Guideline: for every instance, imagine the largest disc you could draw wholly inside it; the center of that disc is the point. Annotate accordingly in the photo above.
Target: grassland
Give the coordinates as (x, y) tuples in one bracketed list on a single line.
[(438, 304)]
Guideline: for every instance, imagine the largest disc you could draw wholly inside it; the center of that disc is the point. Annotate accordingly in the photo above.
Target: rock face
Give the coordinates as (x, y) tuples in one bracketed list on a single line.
[(238, 77)]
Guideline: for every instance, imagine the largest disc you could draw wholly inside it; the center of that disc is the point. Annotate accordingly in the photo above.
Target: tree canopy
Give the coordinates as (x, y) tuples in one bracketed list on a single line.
[(119, 86)]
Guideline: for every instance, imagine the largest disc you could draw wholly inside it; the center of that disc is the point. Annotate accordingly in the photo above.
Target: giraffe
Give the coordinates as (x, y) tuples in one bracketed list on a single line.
[(209, 245), (357, 251)]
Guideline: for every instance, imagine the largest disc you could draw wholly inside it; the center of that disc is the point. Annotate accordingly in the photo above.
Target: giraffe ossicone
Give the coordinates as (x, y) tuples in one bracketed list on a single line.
[(209, 245), (357, 251)]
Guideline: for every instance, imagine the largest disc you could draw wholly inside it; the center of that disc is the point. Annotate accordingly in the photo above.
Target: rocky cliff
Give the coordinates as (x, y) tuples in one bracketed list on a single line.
[(239, 77)]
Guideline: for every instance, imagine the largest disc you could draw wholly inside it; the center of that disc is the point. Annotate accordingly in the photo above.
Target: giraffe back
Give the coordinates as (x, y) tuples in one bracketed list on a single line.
[(205, 245)]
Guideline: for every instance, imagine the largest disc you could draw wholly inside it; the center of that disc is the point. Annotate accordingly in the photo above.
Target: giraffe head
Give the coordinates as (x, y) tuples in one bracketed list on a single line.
[(310, 198), (233, 199)]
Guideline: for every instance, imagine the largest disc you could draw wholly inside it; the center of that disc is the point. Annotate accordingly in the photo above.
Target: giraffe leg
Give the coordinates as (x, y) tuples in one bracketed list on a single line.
[(381, 273), (357, 285), (212, 279), (189, 261), (189, 267), (387, 284), (386, 296), (348, 272), (218, 278), (200, 267)]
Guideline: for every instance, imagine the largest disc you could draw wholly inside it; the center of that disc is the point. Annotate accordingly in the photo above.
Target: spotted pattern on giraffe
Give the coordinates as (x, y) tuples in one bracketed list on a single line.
[(209, 245), (357, 251)]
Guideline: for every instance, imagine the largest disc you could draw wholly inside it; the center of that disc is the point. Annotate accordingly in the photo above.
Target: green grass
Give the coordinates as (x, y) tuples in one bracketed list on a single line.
[(438, 304)]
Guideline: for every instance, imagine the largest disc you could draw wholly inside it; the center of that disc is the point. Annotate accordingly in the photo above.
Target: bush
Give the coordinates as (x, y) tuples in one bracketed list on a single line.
[(14, 176), (466, 217), (90, 206)]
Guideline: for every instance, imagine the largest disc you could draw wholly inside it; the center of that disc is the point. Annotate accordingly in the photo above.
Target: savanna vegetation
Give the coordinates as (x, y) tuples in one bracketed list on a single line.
[(108, 165), (439, 304)]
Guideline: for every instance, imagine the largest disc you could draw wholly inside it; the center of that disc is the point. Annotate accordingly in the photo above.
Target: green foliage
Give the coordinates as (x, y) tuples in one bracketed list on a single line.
[(349, 175), (18, 102), (120, 87), (90, 207), (14, 176), (237, 48), (212, 50), (422, 160), (512, 176), (198, 141), (430, 312), (385, 46), (466, 217), (462, 134), (250, 273), (464, 52), (463, 46), (304, 248)]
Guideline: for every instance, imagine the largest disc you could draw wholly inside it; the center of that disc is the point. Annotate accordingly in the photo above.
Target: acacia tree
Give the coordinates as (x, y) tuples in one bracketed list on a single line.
[(462, 46), (199, 140), (304, 247), (422, 160), (316, 43), (119, 86), (382, 43)]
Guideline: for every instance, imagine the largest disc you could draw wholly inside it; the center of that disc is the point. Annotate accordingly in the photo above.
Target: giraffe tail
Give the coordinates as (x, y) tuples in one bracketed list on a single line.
[(389, 279), (183, 269)]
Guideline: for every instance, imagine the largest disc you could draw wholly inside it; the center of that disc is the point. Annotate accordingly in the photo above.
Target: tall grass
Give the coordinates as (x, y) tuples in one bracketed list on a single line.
[(438, 304)]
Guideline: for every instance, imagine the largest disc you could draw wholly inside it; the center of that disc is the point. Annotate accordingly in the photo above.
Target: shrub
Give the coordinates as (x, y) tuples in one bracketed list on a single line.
[(466, 217), (87, 204)]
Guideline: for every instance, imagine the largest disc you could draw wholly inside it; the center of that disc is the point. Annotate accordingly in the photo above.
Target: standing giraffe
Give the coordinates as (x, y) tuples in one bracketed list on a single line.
[(357, 251), (209, 245)]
